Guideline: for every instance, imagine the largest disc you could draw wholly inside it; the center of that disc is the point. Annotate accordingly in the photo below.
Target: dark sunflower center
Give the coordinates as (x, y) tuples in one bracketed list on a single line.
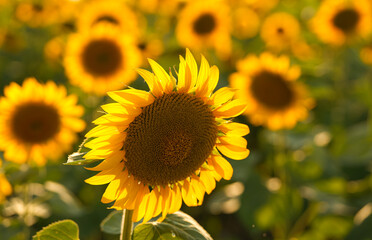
[(37, 7), (107, 18), (204, 24), (101, 57), (346, 20), (271, 90), (142, 45), (280, 30), (170, 139), (35, 123)]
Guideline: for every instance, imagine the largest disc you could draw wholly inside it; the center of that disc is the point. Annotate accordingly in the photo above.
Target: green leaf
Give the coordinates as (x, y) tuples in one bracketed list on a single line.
[(77, 158), (112, 223), (61, 230), (176, 226)]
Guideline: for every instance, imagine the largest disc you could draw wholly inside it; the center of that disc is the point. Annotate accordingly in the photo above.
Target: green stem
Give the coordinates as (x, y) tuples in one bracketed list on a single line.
[(126, 225)]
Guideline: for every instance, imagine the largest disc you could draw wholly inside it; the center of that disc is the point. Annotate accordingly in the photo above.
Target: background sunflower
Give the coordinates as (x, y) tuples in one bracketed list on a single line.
[(39, 122), (101, 59)]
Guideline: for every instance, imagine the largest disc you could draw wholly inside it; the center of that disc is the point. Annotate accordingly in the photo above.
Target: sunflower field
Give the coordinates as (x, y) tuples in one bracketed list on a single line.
[(186, 119)]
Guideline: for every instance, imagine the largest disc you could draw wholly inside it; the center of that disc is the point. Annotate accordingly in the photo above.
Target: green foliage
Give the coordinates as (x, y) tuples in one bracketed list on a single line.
[(177, 226), (62, 230), (112, 223)]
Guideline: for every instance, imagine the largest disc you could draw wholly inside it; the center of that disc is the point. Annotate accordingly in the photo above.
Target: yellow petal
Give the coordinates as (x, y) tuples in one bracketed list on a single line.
[(133, 97), (104, 176), (222, 96), (112, 161), (167, 200), (111, 191), (184, 76), (100, 153), (115, 108), (139, 212), (234, 128), (230, 109), (233, 140), (187, 195), (159, 197), (213, 79), (144, 202), (106, 140), (221, 166), (203, 73), (190, 60), (110, 120), (176, 199), (160, 73), (103, 130), (151, 81), (150, 208), (208, 181), (198, 188), (233, 152)]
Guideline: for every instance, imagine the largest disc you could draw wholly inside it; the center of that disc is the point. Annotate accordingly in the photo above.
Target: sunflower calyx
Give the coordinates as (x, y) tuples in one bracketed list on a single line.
[(77, 158)]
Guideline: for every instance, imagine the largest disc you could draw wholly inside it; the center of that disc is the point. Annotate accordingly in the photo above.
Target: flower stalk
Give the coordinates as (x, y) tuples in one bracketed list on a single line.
[(126, 225)]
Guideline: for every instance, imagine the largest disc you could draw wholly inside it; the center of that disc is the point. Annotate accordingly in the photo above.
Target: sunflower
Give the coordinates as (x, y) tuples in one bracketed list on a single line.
[(259, 6), (162, 146), (102, 59), (38, 13), (366, 55), (267, 84), (280, 30), (337, 22), (150, 47), (112, 11), (5, 187), (159, 7), (38, 121), (246, 22), (205, 24)]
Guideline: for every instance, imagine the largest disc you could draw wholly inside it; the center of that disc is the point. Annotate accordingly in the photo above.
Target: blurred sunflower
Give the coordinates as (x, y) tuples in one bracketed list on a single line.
[(38, 122), (259, 6), (205, 24), (337, 22), (267, 84), (159, 7), (280, 30), (112, 11), (53, 49), (245, 22), (38, 13), (162, 146), (366, 55), (5, 187), (150, 47), (102, 59)]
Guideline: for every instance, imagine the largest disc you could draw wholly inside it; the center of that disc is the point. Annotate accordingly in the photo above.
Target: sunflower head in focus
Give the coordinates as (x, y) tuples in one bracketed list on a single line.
[(267, 84), (166, 145), (280, 30), (102, 59), (337, 22), (113, 12), (38, 122), (205, 24)]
